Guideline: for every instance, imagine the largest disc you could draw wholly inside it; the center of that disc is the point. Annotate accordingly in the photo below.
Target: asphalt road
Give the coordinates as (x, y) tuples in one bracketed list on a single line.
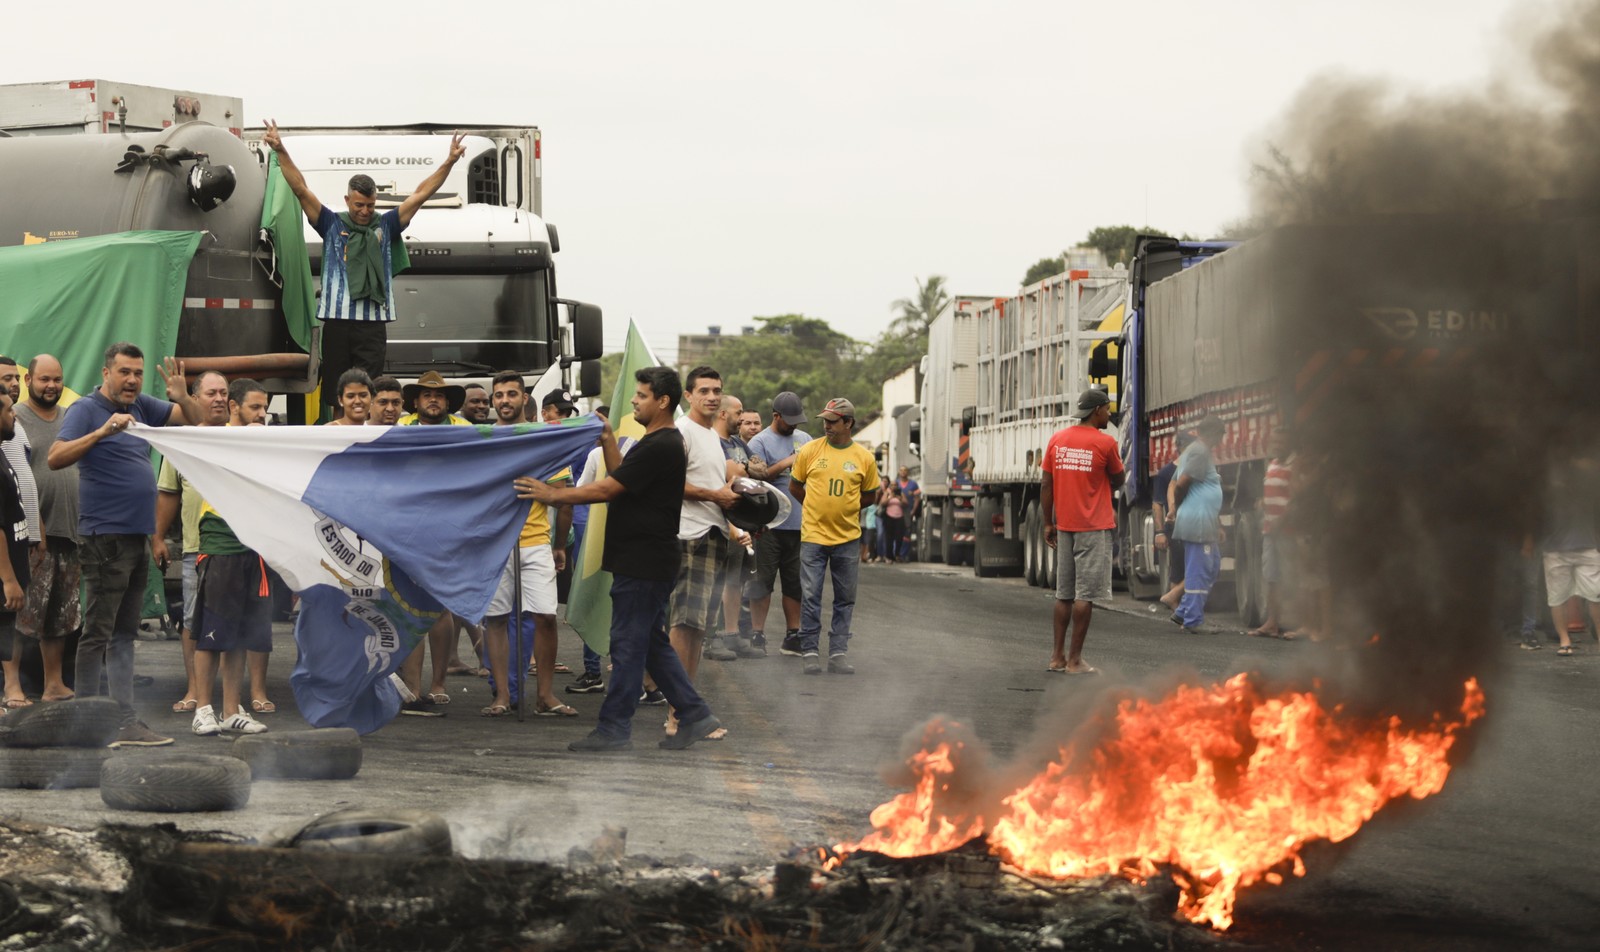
[(1502, 858)]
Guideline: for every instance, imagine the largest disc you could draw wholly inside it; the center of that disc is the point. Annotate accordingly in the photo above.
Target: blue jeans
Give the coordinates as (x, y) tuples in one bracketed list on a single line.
[(1201, 562), (639, 644), (844, 561)]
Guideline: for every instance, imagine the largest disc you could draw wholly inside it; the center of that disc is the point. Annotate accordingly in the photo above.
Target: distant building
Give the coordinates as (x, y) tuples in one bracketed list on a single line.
[(697, 349)]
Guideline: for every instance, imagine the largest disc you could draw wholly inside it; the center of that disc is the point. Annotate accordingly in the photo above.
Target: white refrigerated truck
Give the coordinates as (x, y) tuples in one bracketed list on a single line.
[(943, 526)]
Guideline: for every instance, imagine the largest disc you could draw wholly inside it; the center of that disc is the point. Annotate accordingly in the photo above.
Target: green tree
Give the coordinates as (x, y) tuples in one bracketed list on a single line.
[(1044, 268), (610, 367), (801, 354), (1116, 241), (917, 312)]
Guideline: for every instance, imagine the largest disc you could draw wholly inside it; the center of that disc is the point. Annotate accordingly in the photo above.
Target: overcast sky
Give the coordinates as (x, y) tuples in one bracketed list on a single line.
[(710, 162)]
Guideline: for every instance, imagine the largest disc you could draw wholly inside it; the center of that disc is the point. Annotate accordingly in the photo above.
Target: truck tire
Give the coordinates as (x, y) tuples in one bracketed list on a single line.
[(1030, 544), (924, 544), (51, 768), (992, 555), (1047, 559), (1250, 592), (81, 722), (361, 830), (175, 783), (1140, 585), (329, 753)]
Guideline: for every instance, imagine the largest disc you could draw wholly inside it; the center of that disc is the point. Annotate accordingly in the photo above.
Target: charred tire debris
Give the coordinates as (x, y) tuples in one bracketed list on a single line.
[(169, 889), (168, 783), (358, 830), (329, 753)]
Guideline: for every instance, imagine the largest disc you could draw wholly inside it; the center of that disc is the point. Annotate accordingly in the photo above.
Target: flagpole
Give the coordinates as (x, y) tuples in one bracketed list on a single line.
[(516, 621)]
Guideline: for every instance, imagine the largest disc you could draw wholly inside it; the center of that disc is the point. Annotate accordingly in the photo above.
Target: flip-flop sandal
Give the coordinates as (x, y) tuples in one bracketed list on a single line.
[(560, 710), (1083, 670), (1263, 633), (185, 706), (263, 707), (495, 710), (562, 668), (1565, 651), (439, 698), (17, 703)]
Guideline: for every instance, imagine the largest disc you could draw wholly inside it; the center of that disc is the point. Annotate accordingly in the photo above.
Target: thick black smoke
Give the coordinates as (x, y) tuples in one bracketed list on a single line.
[(1422, 483)]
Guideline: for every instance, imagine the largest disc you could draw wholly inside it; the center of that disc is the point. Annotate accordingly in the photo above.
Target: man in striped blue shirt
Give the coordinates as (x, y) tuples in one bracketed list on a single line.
[(357, 301)]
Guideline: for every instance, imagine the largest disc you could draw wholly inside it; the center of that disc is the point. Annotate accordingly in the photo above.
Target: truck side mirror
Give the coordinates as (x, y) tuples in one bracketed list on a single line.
[(589, 378), (1102, 364), (588, 341)]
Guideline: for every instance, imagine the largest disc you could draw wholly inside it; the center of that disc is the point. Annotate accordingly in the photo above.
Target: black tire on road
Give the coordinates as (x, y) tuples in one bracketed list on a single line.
[(361, 830), (82, 722), (51, 768), (175, 783), (328, 753)]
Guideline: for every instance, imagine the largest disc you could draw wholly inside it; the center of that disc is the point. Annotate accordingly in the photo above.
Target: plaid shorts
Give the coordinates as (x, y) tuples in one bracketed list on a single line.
[(698, 594)]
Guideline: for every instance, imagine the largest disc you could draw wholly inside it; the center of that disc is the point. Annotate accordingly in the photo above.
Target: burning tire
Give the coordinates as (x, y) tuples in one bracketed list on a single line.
[(191, 783), (85, 722), (329, 753), (51, 768), (358, 830)]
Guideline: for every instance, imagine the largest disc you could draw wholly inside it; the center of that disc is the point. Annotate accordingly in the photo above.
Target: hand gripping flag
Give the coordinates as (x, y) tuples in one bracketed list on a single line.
[(378, 528)]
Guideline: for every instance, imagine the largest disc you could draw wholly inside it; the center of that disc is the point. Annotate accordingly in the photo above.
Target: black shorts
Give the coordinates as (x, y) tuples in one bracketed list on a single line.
[(233, 604), (347, 344), (777, 559)]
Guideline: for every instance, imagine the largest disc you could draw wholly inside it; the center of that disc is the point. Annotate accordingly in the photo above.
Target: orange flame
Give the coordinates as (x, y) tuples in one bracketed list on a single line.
[(1220, 783)]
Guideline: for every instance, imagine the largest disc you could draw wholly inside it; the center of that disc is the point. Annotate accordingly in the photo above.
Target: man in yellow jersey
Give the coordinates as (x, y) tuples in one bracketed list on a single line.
[(834, 478), (539, 562)]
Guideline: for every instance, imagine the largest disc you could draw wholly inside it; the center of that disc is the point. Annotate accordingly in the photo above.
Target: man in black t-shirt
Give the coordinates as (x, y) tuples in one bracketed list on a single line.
[(645, 493), (14, 559)]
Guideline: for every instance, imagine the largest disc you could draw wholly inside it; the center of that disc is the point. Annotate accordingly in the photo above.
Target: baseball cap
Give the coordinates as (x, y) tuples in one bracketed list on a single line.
[(561, 399), (838, 408), (1090, 401), (787, 406)]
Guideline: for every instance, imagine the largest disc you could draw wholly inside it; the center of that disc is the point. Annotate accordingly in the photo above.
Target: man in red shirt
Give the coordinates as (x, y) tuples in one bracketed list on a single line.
[(1082, 468)]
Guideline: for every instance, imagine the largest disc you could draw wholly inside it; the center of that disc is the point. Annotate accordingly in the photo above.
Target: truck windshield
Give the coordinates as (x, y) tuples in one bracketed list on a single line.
[(469, 322)]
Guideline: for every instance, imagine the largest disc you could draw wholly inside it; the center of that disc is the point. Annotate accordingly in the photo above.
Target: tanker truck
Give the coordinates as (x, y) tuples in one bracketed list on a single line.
[(192, 177)]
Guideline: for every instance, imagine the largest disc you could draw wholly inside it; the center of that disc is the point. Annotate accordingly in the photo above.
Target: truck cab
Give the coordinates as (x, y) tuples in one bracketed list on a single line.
[(480, 294)]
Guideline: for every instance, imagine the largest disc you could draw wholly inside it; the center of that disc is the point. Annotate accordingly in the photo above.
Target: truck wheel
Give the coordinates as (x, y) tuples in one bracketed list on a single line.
[(82, 722), (1047, 559), (176, 783), (329, 753), (1140, 584), (1249, 591), (992, 555), (924, 545), (51, 768), (1030, 544)]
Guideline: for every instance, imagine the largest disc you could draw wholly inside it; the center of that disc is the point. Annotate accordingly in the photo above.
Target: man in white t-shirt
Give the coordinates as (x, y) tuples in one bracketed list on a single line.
[(702, 527)]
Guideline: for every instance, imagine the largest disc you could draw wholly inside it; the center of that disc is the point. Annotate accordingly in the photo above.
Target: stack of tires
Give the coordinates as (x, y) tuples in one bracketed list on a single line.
[(57, 745)]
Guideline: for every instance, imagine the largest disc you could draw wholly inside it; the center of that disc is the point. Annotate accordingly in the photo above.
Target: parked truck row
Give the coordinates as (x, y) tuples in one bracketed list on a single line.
[(1281, 329)]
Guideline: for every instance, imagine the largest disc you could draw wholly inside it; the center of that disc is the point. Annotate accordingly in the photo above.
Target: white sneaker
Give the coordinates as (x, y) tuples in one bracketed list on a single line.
[(205, 722), (243, 723)]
